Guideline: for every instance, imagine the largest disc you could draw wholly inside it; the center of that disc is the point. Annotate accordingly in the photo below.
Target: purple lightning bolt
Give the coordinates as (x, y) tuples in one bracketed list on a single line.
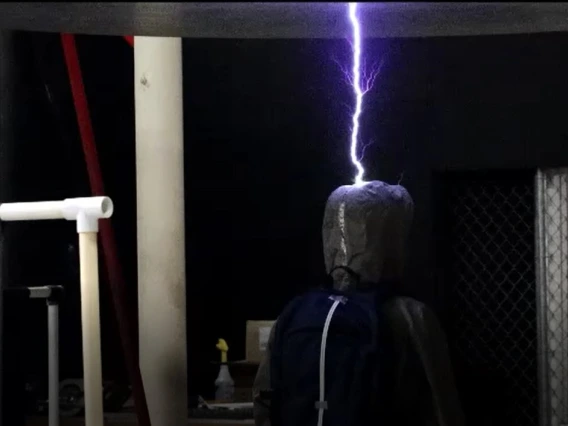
[(359, 90)]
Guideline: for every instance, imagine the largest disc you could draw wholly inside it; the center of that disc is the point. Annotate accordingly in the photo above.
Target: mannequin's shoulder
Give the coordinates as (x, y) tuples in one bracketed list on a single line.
[(406, 302), (409, 308)]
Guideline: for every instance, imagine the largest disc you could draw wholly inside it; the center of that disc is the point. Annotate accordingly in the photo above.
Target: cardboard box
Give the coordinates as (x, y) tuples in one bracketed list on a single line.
[(243, 373), (243, 395), (257, 339)]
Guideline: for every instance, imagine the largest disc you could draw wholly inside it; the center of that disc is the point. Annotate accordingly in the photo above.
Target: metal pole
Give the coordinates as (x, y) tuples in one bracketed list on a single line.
[(53, 356), (541, 299)]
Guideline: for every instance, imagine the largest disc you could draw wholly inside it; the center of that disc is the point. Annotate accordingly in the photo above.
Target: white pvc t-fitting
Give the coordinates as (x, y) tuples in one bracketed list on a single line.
[(85, 211)]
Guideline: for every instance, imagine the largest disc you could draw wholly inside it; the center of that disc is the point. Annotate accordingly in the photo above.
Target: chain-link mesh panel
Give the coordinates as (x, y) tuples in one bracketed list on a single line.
[(492, 288), (552, 246)]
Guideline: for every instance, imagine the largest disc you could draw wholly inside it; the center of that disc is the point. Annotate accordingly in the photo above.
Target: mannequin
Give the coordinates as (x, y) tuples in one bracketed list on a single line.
[(364, 231)]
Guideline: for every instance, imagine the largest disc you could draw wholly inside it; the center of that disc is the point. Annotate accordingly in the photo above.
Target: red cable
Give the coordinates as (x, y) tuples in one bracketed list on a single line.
[(129, 40), (113, 269)]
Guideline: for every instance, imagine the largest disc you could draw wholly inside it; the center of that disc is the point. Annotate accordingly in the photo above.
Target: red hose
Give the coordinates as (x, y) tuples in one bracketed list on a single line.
[(110, 255), (129, 40)]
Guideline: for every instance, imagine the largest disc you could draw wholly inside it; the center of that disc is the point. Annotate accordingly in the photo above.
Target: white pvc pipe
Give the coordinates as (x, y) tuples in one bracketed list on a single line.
[(91, 327), (161, 227), (86, 211)]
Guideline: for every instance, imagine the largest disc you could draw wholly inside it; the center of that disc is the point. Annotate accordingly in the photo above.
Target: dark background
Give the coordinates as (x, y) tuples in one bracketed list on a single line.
[(266, 129)]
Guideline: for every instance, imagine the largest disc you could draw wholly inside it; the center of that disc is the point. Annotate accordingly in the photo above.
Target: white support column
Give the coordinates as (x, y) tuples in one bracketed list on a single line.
[(161, 227)]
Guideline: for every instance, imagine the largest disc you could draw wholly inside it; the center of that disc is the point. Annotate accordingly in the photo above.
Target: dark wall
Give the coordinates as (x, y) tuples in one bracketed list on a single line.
[(267, 125)]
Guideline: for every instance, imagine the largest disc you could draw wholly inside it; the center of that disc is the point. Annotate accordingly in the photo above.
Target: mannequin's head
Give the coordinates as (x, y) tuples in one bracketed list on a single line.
[(364, 233)]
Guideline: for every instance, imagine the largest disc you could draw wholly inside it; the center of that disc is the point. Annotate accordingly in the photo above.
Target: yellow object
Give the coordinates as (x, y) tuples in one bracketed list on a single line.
[(224, 384), (224, 348)]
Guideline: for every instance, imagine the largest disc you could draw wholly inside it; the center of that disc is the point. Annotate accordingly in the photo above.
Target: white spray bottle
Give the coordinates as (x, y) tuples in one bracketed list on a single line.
[(225, 385)]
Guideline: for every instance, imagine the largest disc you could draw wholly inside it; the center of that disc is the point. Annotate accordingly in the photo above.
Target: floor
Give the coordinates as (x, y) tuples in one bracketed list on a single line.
[(129, 420)]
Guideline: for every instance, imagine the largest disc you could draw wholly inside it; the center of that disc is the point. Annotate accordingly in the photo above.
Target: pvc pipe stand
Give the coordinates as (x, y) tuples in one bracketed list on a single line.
[(90, 320), (86, 212)]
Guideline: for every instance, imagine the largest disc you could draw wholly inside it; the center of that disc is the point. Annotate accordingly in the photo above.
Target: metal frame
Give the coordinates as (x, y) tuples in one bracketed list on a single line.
[(52, 295), (540, 244), (284, 20), (551, 241)]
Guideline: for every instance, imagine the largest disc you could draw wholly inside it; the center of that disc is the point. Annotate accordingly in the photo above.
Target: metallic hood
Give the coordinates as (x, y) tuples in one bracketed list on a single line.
[(364, 231)]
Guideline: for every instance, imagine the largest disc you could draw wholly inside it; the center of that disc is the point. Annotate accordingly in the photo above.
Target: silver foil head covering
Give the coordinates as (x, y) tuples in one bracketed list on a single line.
[(365, 229)]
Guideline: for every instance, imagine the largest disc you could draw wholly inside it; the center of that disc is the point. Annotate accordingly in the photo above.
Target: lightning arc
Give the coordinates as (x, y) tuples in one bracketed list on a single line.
[(359, 89)]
